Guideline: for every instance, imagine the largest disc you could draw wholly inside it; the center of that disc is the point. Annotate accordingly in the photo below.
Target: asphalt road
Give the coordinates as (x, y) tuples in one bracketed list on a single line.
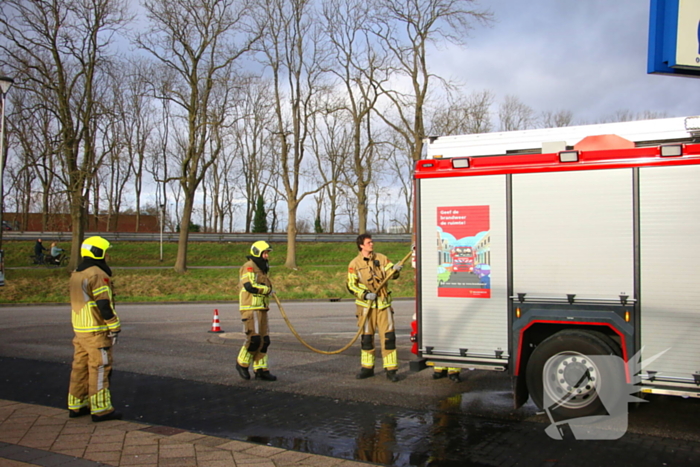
[(174, 340), (170, 370)]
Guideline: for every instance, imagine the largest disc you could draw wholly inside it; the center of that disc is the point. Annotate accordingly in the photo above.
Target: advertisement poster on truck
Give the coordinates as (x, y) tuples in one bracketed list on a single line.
[(464, 269)]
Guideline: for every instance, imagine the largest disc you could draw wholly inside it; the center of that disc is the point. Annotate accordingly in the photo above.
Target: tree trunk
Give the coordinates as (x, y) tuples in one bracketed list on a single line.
[(362, 211), (77, 215), (291, 262), (181, 261)]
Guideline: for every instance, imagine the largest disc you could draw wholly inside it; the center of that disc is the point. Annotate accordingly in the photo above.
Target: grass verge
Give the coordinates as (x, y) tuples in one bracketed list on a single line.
[(321, 273)]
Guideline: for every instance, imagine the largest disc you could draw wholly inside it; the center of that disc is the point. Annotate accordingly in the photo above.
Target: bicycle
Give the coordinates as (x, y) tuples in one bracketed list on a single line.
[(48, 260), (35, 260)]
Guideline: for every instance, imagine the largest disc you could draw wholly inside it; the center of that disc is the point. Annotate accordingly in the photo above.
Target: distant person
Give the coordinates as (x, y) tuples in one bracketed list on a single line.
[(96, 326), (365, 274), (56, 253), (39, 250), (254, 303)]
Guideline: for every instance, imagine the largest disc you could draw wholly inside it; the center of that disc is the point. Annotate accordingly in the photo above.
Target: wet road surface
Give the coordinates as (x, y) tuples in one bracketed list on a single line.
[(377, 433), (171, 372)]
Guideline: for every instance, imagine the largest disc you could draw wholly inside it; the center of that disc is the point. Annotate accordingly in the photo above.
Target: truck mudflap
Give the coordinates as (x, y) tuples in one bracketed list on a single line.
[(520, 392)]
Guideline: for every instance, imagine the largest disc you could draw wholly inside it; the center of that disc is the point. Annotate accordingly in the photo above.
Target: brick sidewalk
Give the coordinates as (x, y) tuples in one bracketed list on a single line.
[(37, 435)]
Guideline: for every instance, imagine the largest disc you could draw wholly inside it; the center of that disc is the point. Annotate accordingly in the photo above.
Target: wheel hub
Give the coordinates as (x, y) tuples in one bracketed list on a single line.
[(571, 379)]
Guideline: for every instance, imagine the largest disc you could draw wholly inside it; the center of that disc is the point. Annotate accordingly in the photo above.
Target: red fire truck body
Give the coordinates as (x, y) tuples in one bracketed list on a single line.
[(590, 245)]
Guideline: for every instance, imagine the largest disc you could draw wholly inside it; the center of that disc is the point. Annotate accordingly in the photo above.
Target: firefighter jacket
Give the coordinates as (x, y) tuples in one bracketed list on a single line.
[(255, 287), (365, 275), (92, 301)]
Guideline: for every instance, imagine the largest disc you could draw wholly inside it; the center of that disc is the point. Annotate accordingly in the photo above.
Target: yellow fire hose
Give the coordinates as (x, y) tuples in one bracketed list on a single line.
[(359, 329)]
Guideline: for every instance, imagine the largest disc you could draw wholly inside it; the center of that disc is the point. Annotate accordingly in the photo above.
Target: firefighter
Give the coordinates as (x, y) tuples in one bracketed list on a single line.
[(445, 372), (96, 326), (365, 274), (254, 302)]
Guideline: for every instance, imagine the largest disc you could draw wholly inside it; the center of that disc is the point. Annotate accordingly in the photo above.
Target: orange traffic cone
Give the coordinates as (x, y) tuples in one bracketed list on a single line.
[(215, 326)]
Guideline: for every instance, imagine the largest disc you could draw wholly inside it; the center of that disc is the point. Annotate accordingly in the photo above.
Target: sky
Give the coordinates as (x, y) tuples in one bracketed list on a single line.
[(585, 56)]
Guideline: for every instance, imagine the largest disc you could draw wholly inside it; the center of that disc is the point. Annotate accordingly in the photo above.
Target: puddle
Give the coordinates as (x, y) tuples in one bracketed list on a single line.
[(389, 436)]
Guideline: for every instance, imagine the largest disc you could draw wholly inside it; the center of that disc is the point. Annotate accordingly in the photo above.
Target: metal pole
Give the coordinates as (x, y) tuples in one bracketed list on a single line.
[(2, 161), (5, 83), (162, 219)]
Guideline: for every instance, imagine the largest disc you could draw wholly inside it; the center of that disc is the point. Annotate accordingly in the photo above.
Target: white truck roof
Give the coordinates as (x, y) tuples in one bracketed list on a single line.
[(555, 139)]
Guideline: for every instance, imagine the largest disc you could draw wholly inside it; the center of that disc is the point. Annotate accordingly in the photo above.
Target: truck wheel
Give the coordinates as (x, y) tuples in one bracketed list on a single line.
[(563, 380)]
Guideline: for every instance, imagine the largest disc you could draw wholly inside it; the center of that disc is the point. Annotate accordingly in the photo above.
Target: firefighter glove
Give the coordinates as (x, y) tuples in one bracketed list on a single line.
[(397, 267), (370, 296), (113, 335)]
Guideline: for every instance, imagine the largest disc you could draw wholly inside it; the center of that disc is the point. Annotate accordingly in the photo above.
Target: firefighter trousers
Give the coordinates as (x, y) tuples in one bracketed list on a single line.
[(257, 341), (383, 322), (89, 378)]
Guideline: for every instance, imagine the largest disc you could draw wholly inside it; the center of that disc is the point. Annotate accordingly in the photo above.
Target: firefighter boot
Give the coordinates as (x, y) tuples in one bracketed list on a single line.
[(392, 376), (79, 413), (455, 377), (365, 373), (440, 374), (243, 371), (109, 416), (265, 375)]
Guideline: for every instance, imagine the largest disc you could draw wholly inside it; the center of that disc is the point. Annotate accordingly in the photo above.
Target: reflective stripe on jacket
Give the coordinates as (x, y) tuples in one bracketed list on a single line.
[(252, 274), (365, 275), (86, 289)]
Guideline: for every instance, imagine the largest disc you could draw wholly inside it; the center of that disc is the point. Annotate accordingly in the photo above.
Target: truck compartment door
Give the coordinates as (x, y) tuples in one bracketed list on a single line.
[(463, 267), (670, 270), (573, 233)]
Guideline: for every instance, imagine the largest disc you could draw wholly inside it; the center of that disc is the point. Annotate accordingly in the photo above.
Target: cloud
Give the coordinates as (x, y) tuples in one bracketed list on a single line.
[(588, 57)]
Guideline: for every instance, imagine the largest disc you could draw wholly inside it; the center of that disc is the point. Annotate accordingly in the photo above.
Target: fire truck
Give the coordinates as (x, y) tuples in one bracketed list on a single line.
[(462, 259), (590, 238)]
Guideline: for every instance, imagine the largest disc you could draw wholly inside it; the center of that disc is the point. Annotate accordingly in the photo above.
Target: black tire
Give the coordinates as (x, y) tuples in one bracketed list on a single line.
[(561, 375)]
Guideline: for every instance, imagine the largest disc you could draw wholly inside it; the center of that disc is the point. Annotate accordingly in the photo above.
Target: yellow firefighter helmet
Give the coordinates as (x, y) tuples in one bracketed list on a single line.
[(94, 247), (259, 247)]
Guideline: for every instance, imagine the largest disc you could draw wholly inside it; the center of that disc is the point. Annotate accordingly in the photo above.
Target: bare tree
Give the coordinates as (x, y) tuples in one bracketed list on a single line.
[(61, 51), (292, 49), (362, 68), (197, 43), (34, 129), (463, 115), (625, 115), (219, 184), (557, 119), (515, 115), (332, 145), (405, 28), (115, 173), (158, 154), (25, 139), (381, 199), (221, 180), (135, 117), (257, 143), (400, 166)]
